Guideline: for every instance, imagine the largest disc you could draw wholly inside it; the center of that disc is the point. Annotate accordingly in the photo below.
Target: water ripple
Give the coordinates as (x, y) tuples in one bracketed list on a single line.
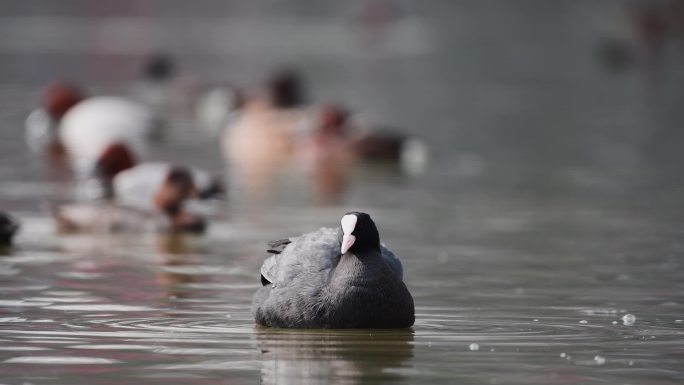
[(58, 360)]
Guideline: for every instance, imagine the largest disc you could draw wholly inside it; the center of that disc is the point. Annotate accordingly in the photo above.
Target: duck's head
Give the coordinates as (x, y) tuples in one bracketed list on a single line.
[(286, 89), (159, 67), (115, 158), (359, 233), (176, 189), (8, 227), (59, 97), (169, 199), (333, 119)]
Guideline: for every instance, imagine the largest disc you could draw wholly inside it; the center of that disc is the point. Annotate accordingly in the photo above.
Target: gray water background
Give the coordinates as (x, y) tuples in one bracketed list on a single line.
[(552, 205)]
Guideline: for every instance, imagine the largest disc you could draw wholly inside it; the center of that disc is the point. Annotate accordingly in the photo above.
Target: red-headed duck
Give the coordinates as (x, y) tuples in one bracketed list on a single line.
[(137, 185), (43, 123), (92, 125), (262, 138), (335, 136), (116, 175), (326, 154), (168, 214), (84, 127)]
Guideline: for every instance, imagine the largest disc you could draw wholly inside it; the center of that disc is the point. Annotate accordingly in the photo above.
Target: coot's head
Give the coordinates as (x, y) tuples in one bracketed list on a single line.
[(359, 233)]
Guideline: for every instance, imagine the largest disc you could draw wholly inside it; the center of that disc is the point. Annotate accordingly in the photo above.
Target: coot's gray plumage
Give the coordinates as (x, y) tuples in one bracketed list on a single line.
[(333, 278)]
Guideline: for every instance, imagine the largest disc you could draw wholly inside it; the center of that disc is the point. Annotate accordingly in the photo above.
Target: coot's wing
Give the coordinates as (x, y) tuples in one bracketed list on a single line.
[(277, 246), (393, 262), (269, 266), (309, 254)]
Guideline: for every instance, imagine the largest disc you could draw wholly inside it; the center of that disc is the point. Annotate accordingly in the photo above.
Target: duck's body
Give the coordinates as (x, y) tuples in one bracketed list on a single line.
[(137, 185), (260, 144), (315, 283), (162, 209), (349, 141), (92, 125)]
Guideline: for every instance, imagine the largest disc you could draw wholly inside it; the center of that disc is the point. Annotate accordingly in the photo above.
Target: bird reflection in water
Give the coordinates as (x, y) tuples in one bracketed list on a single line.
[(338, 356), (177, 255)]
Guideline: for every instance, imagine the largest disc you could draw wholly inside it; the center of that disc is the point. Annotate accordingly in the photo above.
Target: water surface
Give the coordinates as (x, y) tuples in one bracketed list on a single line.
[(552, 207)]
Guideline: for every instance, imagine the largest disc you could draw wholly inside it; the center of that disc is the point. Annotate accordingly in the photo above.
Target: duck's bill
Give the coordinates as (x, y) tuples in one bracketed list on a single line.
[(347, 242)]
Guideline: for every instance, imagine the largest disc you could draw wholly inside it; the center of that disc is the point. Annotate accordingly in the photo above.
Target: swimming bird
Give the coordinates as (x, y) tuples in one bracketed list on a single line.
[(42, 124), (334, 278), (167, 213), (8, 228), (260, 141), (116, 175), (89, 127), (367, 144), (137, 185)]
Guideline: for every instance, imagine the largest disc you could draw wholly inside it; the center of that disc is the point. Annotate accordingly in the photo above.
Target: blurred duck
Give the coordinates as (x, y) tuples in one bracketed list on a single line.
[(8, 228), (137, 185), (217, 108), (167, 215), (168, 94), (115, 175), (260, 141), (335, 136), (94, 124), (81, 128), (42, 124), (326, 155)]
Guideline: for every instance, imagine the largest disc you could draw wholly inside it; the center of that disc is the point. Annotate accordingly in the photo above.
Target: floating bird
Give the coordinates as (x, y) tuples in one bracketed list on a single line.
[(167, 215), (261, 139), (366, 144), (42, 125), (94, 124), (334, 278)]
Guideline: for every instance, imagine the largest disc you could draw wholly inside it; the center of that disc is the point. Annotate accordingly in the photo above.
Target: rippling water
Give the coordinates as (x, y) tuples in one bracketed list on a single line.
[(552, 208)]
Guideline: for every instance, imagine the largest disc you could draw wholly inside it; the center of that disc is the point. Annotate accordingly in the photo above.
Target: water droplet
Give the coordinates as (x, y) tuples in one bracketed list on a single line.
[(474, 347), (614, 322), (599, 360), (679, 320), (583, 322), (630, 363), (535, 320), (563, 355), (628, 319)]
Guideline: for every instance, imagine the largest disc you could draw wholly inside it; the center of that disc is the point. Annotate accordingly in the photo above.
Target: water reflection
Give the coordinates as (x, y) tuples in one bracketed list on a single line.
[(178, 255), (341, 357)]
